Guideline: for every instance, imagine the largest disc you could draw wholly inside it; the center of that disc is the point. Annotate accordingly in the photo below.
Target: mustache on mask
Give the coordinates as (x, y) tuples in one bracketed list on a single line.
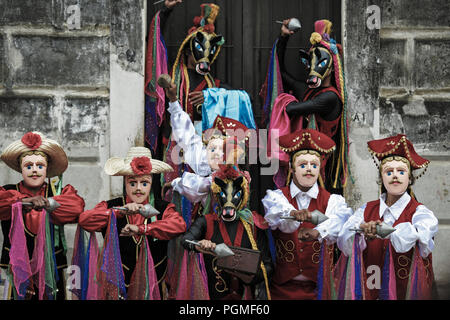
[(394, 181), (138, 192), (34, 175), (308, 174)]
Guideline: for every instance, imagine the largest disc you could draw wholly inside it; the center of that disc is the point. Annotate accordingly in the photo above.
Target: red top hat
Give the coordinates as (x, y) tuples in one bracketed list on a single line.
[(227, 127), (223, 124), (397, 146), (307, 139)]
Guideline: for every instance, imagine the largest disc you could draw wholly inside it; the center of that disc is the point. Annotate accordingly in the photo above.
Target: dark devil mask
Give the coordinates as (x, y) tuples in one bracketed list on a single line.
[(204, 48), (231, 191), (202, 43), (319, 63)]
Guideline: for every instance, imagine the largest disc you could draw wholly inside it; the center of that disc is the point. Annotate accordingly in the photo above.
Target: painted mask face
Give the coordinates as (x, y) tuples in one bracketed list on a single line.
[(319, 63), (138, 187), (204, 48), (229, 197), (214, 151), (395, 176), (306, 169), (34, 170)]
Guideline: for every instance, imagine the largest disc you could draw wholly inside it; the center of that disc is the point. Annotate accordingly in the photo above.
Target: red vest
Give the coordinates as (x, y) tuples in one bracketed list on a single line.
[(375, 251), (296, 257)]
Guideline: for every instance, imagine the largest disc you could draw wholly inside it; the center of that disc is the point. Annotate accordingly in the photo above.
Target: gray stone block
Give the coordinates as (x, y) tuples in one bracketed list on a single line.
[(439, 123), (441, 262), (432, 189), (92, 12), (16, 12), (2, 61), (393, 64), (89, 181), (415, 13), (60, 61), (362, 50), (20, 115), (126, 33), (85, 121), (46, 13), (424, 122), (432, 66)]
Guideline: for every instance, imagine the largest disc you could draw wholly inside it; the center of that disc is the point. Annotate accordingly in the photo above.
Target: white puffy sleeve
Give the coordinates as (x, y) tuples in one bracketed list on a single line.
[(275, 206), (422, 228), (183, 132), (344, 240), (194, 187), (338, 213)]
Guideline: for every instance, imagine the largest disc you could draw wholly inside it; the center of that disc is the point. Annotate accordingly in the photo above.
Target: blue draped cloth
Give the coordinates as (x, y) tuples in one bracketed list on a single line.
[(234, 104)]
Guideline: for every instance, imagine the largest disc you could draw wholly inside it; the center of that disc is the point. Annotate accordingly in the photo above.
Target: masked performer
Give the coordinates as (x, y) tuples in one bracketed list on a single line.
[(34, 248), (204, 154), (298, 240), (322, 106), (226, 142), (190, 71), (403, 257), (232, 223), (143, 241)]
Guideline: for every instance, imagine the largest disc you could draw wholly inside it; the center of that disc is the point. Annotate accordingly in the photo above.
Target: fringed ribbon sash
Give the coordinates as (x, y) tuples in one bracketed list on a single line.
[(18, 255), (388, 289), (325, 279), (349, 274), (41, 270), (272, 87), (144, 282), (111, 275), (418, 287), (156, 65)]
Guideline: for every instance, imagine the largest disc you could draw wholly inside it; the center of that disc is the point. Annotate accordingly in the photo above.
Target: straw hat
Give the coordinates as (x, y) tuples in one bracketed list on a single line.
[(36, 141), (137, 162)]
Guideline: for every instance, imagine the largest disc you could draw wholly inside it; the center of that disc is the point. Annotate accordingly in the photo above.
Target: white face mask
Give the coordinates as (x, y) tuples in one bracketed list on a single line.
[(138, 187), (34, 170), (306, 169), (214, 152), (395, 176)]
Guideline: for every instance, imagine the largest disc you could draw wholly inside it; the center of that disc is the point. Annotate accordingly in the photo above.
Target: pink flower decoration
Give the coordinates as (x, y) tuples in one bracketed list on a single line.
[(141, 165), (209, 28), (32, 140)]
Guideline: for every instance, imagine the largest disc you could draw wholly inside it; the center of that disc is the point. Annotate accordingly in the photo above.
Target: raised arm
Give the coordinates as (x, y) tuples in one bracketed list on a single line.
[(290, 83)]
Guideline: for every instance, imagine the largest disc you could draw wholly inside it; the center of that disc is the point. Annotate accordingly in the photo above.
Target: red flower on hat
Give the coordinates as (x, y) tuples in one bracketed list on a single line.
[(209, 28), (230, 172), (197, 21), (141, 165), (32, 140)]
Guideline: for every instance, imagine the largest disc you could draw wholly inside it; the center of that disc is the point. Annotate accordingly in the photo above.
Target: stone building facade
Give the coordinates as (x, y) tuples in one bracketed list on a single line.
[(74, 70)]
